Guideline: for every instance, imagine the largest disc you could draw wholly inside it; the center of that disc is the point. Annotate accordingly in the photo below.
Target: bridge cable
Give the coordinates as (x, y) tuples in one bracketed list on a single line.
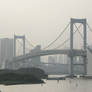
[(22, 45), (57, 37), (89, 27), (30, 43), (78, 31), (80, 34), (62, 44)]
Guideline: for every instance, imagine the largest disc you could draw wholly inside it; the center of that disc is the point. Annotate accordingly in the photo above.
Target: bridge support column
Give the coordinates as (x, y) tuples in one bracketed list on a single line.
[(19, 37), (82, 21), (71, 45)]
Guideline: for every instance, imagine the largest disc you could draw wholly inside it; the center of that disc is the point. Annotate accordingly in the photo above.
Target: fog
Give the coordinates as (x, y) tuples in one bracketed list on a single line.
[(41, 20)]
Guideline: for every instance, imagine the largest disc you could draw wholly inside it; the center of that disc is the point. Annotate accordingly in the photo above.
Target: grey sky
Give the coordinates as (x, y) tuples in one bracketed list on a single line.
[(40, 20)]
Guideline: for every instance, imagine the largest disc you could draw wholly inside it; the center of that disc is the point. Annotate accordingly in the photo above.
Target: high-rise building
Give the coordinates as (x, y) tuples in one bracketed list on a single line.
[(6, 51), (52, 59), (60, 59), (36, 61)]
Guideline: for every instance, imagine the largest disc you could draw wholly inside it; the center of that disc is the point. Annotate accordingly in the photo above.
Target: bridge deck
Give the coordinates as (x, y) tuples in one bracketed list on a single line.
[(50, 52)]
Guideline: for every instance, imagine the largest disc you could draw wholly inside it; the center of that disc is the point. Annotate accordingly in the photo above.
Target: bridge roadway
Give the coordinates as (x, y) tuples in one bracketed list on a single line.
[(68, 52)]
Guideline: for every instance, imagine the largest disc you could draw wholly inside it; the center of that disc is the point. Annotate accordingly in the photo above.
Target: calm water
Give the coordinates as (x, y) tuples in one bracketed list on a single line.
[(69, 85)]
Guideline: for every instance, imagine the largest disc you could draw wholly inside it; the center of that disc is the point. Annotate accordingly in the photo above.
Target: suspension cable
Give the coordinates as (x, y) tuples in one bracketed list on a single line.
[(89, 27), (30, 43), (57, 37), (62, 43), (22, 45), (78, 31), (80, 34), (66, 40)]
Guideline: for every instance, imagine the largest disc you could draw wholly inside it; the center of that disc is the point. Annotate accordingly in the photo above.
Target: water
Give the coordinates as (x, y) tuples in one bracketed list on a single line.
[(69, 85)]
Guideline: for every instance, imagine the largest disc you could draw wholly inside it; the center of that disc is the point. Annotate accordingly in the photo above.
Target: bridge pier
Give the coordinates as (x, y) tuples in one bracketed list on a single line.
[(82, 21), (85, 65)]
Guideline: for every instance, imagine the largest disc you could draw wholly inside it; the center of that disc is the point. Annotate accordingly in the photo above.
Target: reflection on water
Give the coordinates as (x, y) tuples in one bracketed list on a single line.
[(69, 85)]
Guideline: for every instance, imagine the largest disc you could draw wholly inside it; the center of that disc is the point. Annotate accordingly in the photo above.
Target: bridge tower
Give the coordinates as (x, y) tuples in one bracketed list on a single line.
[(83, 22), (23, 39)]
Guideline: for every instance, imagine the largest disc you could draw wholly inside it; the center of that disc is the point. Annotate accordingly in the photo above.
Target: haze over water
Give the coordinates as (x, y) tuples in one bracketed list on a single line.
[(69, 85)]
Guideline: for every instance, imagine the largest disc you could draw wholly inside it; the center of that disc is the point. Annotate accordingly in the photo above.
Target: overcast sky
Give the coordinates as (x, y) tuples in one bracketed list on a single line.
[(41, 20)]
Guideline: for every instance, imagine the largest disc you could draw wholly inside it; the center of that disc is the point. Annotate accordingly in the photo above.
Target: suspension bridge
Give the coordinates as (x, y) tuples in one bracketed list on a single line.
[(71, 52)]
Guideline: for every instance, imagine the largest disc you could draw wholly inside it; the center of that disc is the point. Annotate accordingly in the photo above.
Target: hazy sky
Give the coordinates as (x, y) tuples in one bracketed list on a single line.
[(41, 20)]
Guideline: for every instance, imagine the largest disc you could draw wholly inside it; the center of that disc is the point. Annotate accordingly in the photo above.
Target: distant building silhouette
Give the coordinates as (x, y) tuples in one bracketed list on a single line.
[(36, 61), (52, 59), (6, 51)]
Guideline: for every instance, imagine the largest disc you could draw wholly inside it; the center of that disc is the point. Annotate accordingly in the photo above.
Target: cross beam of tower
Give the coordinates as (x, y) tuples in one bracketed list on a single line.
[(83, 22)]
